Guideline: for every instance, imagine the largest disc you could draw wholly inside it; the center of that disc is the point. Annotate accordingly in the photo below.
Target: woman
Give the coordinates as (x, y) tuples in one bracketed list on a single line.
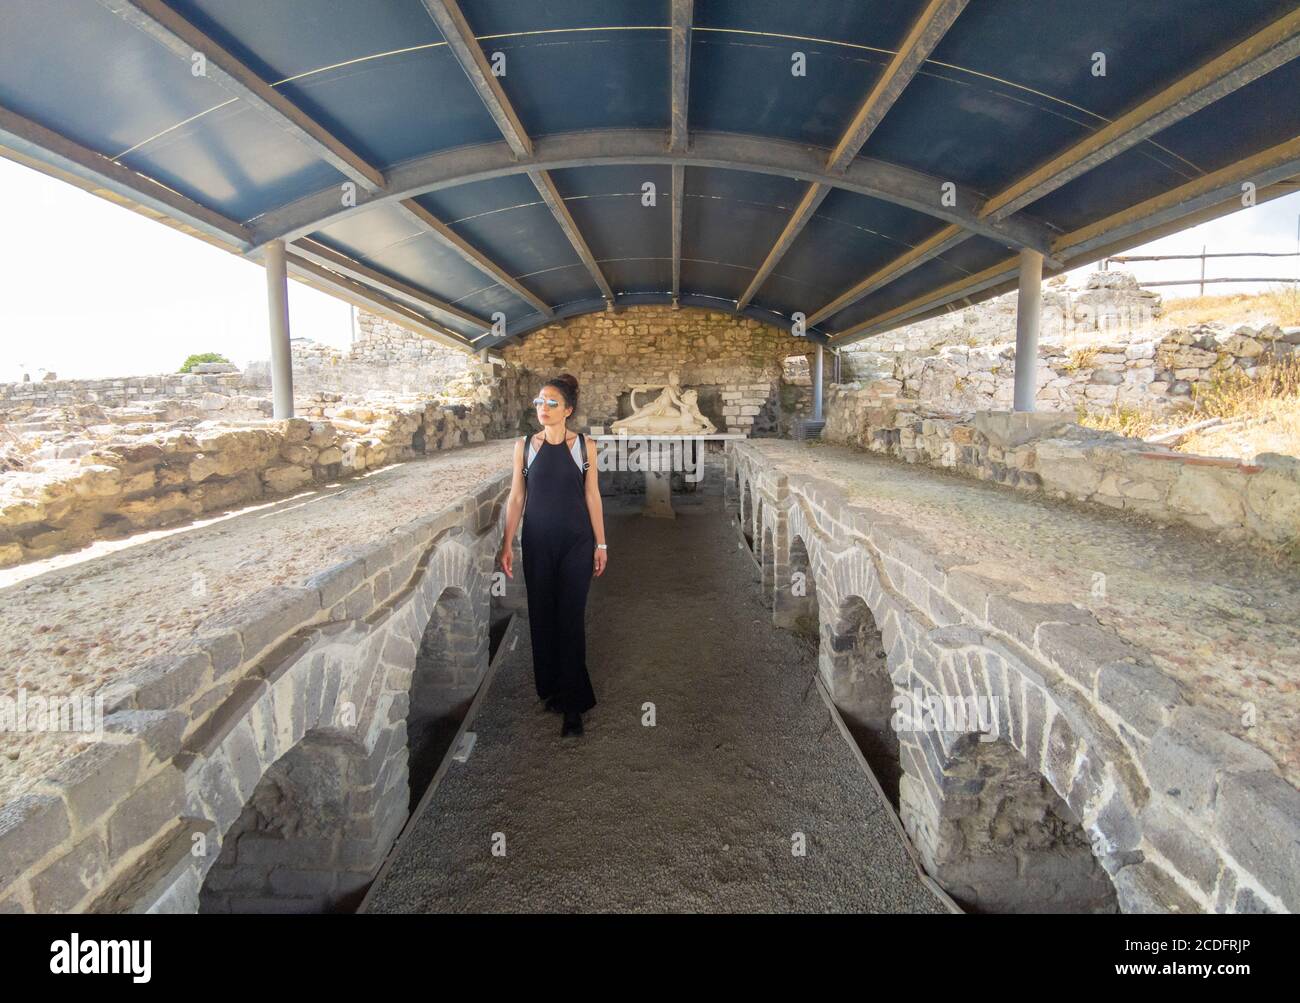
[(563, 545)]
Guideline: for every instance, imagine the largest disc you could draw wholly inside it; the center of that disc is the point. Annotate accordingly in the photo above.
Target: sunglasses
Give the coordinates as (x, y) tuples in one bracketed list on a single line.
[(549, 402)]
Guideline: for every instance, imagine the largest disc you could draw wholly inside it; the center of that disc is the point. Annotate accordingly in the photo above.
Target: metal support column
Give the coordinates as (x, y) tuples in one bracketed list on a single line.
[(277, 308), (1029, 304), (817, 386)]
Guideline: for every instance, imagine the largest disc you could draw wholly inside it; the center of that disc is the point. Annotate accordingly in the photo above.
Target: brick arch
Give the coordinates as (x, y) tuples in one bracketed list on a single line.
[(306, 796), (333, 718), (1087, 771), (1048, 756), (1007, 842)]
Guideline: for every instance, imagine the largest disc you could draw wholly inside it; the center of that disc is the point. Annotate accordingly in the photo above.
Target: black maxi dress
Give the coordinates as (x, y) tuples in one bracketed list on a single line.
[(559, 549)]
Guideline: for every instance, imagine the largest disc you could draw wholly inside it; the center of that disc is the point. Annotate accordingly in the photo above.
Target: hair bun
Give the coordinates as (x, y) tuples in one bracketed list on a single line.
[(567, 384)]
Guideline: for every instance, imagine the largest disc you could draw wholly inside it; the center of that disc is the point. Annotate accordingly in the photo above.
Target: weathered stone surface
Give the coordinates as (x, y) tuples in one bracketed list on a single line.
[(30, 826), (1189, 758), (1259, 819)]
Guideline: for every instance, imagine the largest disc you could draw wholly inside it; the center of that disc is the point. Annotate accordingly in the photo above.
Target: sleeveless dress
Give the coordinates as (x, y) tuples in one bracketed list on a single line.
[(558, 551)]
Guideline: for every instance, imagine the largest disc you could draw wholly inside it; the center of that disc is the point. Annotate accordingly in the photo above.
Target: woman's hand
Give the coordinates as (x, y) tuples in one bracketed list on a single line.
[(506, 559), (602, 556)]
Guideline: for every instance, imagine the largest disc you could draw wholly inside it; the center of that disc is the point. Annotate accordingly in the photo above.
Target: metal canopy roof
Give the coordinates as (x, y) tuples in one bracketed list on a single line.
[(440, 164)]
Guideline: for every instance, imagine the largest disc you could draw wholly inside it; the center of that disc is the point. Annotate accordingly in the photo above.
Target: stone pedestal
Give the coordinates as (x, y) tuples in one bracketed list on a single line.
[(659, 495)]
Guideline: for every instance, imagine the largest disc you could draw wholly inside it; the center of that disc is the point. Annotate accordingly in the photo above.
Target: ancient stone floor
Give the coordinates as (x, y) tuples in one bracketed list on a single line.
[(699, 812), (1224, 619)]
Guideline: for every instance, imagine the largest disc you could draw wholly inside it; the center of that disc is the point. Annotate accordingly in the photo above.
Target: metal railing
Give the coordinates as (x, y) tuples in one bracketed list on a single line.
[(1202, 280)]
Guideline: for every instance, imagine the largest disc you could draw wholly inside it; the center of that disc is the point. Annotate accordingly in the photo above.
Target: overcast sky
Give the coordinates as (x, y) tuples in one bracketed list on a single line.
[(91, 289)]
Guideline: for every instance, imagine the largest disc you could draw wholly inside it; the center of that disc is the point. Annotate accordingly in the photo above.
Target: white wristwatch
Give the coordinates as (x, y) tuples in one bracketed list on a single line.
[(601, 546)]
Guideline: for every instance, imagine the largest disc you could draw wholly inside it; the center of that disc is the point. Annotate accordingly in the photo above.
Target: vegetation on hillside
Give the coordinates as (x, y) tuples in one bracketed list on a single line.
[(194, 360)]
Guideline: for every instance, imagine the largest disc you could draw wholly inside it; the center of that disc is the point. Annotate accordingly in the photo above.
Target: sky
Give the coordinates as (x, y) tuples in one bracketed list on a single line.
[(89, 289)]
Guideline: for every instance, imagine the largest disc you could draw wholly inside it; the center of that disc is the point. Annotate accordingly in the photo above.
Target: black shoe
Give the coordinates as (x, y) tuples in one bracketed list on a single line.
[(553, 704), (572, 725)]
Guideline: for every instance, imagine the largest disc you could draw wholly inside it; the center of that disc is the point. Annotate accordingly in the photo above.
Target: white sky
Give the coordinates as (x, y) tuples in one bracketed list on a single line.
[(89, 289)]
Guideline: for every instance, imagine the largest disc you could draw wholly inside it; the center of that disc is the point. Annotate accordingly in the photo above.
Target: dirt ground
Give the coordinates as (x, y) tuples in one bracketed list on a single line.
[(71, 623), (1223, 619), (698, 813)]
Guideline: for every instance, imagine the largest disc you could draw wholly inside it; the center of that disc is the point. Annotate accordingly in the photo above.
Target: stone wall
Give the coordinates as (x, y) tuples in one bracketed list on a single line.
[(1111, 305), (119, 391), (1093, 786), (161, 475), (1158, 374), (1045, 451), (264, 766), (385, 356), (737, 365)]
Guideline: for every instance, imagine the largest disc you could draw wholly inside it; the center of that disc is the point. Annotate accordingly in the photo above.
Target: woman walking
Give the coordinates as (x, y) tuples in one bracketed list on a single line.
[(555, 489)]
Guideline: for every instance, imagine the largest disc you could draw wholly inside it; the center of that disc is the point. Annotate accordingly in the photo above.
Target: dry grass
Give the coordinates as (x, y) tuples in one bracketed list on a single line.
[(1264, 413), (1137, 423), (1279, 305), (1080, 358)]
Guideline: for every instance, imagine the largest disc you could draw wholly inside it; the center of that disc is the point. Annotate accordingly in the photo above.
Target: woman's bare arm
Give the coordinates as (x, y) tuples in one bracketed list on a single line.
[(514, 509), (594, 507)]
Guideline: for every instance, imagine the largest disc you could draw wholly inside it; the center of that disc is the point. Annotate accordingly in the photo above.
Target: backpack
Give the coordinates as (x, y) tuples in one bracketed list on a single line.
[(582, 449)]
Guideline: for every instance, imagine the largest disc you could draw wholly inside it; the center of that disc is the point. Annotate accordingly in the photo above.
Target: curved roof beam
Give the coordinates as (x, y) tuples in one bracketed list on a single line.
[(173, 32), (921, 39), (730, 151), (34, 145)]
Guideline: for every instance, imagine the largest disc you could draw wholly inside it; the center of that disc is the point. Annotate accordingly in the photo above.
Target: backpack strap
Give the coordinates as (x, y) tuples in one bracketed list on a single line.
[(582, 448), (526, 445)]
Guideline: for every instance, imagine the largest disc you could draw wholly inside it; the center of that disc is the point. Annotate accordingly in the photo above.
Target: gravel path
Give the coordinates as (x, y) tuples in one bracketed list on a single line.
[(697, 813), (1224, 619)]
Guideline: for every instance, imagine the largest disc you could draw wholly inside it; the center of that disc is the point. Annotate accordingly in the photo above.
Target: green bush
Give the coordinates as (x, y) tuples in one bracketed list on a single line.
[(194, 360)]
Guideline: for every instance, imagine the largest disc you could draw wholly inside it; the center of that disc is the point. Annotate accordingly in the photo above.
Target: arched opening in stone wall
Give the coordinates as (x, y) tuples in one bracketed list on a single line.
[(1007, 842), (315, 831), (863, 691), (442, 685), (769, 567), (797, 595), (747, 516)]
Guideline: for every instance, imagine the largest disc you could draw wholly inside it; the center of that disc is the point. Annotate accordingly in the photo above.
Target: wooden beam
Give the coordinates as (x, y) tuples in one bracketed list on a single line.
[(924, 35), (942, 242), (555, 202), (448, 237), (683, 14), (803, 212), (1264, 51), (460, 38), (369, 299), (161, 23), (679, 202), (344, 265)]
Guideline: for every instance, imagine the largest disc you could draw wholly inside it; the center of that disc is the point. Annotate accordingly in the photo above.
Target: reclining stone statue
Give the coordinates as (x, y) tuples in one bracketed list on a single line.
[(673, 412)]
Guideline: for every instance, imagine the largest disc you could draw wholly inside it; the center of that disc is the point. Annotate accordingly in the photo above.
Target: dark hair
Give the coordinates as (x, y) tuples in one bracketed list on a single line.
[(567, 384)]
